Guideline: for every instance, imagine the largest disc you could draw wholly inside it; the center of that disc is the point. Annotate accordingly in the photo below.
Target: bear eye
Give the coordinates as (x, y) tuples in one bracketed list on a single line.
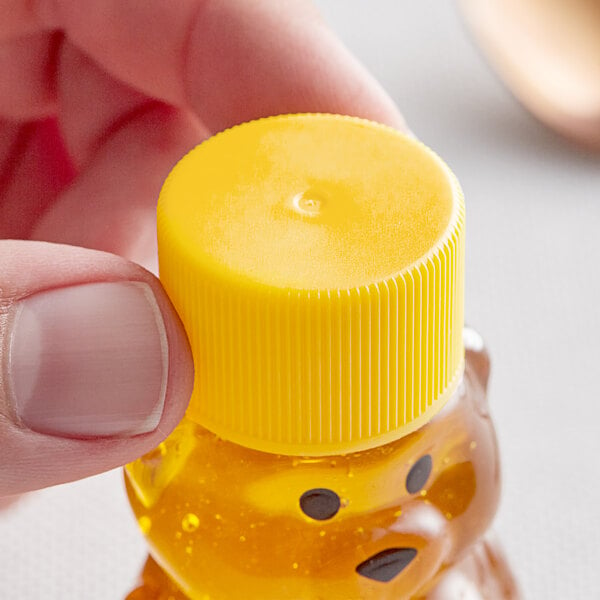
[(419, 474), (320, 504)]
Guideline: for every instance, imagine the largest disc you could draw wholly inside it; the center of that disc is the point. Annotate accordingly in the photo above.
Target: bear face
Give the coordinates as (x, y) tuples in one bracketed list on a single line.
[(376, 524)]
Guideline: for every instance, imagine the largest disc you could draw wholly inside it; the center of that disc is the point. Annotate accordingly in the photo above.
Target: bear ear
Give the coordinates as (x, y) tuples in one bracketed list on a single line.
[(476, 355)]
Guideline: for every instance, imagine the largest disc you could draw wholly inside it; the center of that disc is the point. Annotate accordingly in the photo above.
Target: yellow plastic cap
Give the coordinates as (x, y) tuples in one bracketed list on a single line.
[(317, 264)]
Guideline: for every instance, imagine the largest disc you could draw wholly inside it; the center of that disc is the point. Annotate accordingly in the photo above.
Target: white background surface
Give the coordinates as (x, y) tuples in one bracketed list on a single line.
[(533, 214)]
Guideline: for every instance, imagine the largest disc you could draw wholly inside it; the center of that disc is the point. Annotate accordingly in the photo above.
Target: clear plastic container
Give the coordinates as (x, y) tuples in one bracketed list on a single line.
[(338, 444)]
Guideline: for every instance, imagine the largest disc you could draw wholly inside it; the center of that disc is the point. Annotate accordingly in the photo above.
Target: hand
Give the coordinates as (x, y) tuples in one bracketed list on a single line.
[(98, 100)]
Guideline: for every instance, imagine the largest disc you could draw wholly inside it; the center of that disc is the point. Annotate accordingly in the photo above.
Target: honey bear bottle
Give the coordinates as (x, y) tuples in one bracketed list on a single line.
[(337, 445)]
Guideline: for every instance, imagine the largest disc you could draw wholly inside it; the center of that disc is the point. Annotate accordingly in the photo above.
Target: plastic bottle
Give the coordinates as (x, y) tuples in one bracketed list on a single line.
[(337, 445)]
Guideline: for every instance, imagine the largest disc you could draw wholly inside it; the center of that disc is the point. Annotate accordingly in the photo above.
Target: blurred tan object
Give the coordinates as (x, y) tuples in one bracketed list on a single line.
[(548, 53)]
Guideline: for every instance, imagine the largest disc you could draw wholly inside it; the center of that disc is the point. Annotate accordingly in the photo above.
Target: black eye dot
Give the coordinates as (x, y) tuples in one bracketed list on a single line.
[(419, 474), (320, 504)]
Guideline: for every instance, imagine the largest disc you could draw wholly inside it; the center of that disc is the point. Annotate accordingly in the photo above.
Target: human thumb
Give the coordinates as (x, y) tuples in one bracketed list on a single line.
[(95, 367)]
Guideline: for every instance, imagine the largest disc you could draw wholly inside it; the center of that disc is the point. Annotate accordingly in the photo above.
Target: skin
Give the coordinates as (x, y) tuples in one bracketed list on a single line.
[(98, 100)]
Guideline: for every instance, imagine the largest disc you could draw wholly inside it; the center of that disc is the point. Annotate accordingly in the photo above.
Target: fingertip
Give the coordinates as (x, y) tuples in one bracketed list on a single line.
[(180, 365), (275, 62), (94, 373)]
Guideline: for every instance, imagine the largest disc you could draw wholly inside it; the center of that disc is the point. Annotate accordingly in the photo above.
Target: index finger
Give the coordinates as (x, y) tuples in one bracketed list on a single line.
[(229, 60)]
